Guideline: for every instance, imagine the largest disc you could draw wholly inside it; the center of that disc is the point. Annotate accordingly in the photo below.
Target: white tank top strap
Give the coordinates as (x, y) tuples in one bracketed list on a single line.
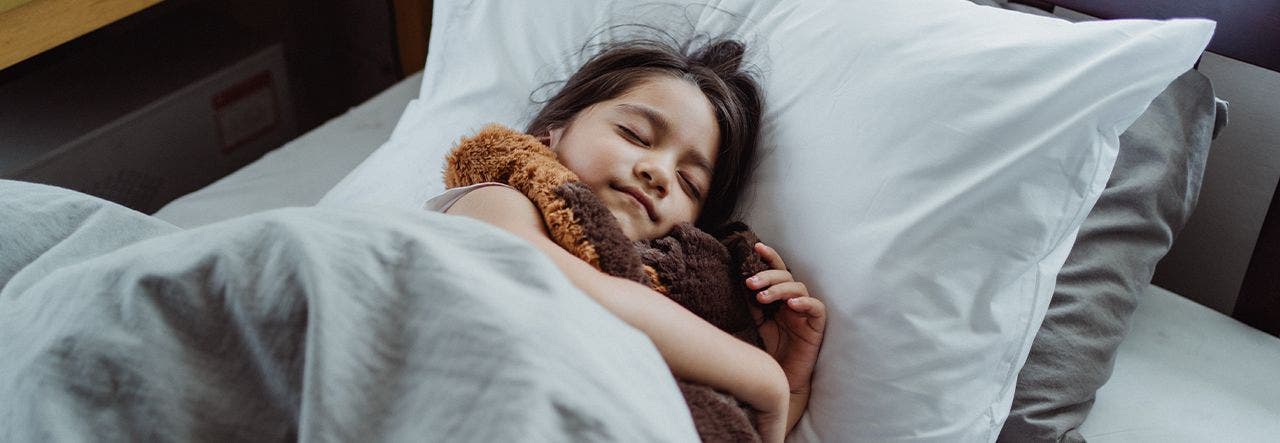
[(446, 199)]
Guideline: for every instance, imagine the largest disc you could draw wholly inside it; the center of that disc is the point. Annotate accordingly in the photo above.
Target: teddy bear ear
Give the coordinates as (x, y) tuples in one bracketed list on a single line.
[(730, 228), (740, 242)]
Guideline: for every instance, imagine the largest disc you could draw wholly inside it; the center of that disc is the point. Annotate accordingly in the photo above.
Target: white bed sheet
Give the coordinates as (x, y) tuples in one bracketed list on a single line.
[(301, 171), (1185, 373)]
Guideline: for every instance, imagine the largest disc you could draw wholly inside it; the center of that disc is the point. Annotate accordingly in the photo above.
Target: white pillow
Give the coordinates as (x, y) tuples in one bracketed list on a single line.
[(925, 167)]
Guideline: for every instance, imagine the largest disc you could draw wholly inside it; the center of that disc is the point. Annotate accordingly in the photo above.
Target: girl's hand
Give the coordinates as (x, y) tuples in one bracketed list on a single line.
[(794, 335), (771, 422)]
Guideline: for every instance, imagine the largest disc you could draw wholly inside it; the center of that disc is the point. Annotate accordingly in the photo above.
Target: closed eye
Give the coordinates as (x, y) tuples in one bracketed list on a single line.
[(631, 135), (691, 188)]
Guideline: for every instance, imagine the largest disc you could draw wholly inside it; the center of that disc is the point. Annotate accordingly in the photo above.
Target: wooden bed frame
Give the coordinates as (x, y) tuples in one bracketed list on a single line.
[(413, 29), (1248, 31)]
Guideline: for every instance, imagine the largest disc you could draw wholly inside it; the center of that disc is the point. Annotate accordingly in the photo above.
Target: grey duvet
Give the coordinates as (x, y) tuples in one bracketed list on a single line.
[(314, 324)]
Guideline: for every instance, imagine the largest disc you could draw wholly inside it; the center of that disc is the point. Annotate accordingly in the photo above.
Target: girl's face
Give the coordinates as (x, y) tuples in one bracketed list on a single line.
[(648, 154)]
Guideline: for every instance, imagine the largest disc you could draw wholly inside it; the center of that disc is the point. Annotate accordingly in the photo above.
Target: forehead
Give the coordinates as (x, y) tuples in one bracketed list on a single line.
[(686, 116)]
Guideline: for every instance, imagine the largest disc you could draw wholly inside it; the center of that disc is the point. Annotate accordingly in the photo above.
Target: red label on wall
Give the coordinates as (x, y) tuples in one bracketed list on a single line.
[(246, 111)]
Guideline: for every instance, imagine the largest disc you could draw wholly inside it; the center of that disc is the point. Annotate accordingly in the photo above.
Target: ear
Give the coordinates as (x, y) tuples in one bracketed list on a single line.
[(552, 137)]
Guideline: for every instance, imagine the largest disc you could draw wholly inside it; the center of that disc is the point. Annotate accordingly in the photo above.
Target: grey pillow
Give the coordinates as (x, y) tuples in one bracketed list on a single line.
[(1150, 194)]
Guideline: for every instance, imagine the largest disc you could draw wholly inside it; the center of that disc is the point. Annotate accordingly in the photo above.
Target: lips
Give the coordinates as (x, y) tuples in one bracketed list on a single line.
[(643, 199)]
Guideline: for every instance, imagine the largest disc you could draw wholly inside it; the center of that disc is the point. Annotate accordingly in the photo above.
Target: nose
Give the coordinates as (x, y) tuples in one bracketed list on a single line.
[(655, 174)]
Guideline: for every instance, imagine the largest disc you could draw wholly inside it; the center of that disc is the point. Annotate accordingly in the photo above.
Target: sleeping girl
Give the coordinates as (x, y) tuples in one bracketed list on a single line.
[(665, 134)]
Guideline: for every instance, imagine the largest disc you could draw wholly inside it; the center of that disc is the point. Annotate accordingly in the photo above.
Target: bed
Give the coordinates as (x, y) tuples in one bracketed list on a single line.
[(1223, 393), (1183, 372)]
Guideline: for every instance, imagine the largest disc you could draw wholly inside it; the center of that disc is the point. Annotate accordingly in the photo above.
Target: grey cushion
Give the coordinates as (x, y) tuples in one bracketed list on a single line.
[(1150, 194)]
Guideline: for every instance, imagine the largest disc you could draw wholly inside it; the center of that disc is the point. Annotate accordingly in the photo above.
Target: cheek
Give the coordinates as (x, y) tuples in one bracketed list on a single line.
[(684, 212), (594, 162), (692, 214), (588, 167)]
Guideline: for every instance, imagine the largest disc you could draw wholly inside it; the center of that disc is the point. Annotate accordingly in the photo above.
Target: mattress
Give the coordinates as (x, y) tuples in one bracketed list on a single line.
[(1187, 373), (301, 171), (1184, 372)]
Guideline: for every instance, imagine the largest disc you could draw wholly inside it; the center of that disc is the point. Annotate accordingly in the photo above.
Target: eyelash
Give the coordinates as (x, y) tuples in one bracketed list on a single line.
[(628, 133), (689, 186), (697, 195)]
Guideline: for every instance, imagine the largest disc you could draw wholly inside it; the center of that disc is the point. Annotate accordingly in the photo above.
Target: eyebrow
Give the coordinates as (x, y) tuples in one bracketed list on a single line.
[(661, 123)]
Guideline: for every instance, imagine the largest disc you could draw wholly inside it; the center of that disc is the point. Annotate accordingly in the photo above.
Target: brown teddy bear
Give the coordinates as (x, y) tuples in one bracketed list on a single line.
[(701, 272)]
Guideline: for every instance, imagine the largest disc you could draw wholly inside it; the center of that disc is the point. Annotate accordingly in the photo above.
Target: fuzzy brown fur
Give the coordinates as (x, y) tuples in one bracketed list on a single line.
[(702, 273), (499, 154)]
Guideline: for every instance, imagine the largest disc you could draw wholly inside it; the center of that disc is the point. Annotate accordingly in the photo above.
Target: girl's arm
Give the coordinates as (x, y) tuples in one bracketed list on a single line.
[(695, 350)]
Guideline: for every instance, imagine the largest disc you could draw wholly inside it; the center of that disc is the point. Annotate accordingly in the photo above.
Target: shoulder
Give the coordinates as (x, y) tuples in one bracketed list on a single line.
[(502, 206)]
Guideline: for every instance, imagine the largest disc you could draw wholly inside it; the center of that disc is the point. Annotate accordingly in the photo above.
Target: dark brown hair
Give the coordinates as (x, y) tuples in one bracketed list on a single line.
[(716, 68)]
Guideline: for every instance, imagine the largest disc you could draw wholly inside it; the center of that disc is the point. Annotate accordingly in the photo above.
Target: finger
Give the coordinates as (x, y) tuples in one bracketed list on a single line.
[(768, 277), (812, 314), (770, 256), (809, 306), (812, 308), (783, 291)]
